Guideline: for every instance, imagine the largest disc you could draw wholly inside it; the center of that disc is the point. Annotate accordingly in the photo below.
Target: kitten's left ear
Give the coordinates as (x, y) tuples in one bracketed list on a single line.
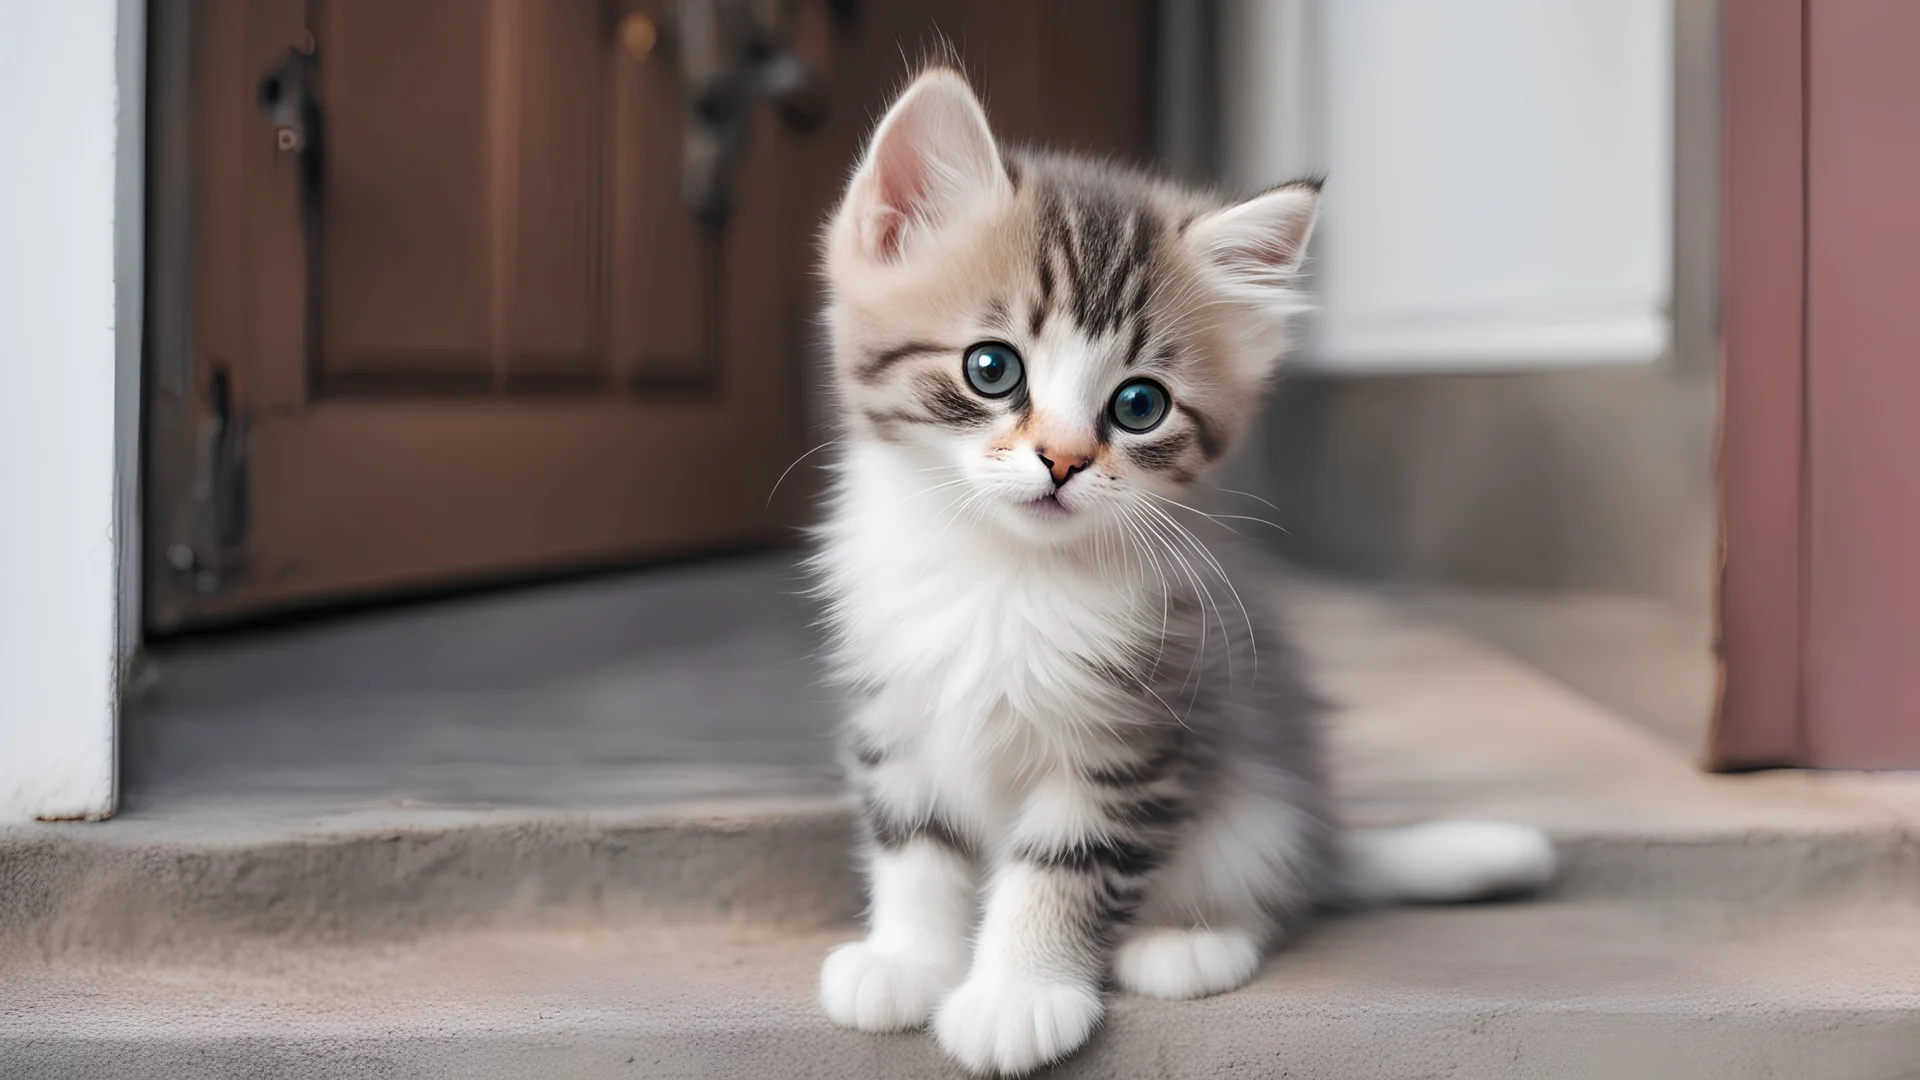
[(1253, 250), (932, 159)]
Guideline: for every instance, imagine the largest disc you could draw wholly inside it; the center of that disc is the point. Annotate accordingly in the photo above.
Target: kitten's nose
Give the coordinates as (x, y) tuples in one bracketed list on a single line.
[(1063, 463)]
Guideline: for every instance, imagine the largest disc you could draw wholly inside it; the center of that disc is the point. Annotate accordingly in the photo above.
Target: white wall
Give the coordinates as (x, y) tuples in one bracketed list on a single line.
[(69, 361), (1500, 173)]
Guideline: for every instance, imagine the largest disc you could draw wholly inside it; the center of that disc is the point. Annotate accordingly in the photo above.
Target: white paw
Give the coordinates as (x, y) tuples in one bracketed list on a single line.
[(1164, 962), (862, 987), (1012, 1026)]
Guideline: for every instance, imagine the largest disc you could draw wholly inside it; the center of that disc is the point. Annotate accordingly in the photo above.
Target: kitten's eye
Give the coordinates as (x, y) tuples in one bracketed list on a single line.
[(994, 369), (1140, 406)]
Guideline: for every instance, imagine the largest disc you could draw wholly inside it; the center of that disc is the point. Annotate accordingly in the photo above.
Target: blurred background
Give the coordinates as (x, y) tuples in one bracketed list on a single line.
[(447, 295), (413, 407), (437, 285)]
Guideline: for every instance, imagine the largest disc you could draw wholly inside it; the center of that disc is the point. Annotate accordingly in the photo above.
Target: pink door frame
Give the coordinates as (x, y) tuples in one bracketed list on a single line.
[(1820, 592)]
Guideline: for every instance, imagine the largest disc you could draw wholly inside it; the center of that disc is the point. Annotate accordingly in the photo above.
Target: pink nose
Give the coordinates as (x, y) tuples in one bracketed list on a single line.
[(1063, 463)]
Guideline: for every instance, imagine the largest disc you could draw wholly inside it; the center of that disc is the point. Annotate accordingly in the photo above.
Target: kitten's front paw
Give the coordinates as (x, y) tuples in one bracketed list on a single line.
[(862, 987), (1011, 1026), (1176, 964)]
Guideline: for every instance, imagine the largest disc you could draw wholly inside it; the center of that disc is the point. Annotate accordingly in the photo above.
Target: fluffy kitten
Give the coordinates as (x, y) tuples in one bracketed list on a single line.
[(1079, 754)]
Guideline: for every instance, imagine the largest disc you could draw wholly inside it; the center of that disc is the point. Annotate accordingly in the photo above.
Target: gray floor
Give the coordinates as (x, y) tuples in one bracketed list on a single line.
[(689, 682), (1650, 661), (679, 683), (682, 682), (458, 840)]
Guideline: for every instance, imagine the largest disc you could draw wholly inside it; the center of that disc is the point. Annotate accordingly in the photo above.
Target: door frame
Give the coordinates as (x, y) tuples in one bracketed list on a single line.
[(72, 107), (1759, 719), (1791, 596)]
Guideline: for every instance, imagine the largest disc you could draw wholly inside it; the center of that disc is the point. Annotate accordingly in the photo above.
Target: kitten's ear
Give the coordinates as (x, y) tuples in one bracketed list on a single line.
[(1253, 250), (931, 159)]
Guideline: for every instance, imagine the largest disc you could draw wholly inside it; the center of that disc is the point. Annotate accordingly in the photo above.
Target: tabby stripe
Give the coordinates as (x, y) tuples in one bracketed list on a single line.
[(1137, 342), (1117, 854), (1063, 240), (997, 314), (893, 833), (1039, 317), (1117, 300), (949, 406), (878, 362), (1209, 442), (1157, 456)]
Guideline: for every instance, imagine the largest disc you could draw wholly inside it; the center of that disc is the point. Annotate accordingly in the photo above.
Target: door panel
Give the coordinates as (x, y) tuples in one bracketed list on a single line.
[(493, 341), (551, 291), (406, 236), (663, 326)]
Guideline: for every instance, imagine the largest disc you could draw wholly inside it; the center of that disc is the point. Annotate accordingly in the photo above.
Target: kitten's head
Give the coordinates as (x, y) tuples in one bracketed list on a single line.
[(1056, 340)]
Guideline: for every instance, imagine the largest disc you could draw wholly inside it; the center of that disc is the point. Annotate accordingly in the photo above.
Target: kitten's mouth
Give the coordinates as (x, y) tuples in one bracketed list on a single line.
[(1049, 506)]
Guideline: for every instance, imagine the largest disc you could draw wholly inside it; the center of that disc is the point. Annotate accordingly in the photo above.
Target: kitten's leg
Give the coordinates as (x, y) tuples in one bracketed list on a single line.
[(1210, 913), (1074, 870), (922, 885)]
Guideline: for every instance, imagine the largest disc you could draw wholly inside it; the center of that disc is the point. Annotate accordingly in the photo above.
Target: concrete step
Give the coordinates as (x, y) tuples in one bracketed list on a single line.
[(1541, 990), (481, 767), (343, 856), (778, 865)]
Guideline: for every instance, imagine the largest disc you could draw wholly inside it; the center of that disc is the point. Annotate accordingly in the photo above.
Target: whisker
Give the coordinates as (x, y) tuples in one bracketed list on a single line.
[(1206, 597), (1226, 579), (1217, 518), (790, 468), (1248, 494)]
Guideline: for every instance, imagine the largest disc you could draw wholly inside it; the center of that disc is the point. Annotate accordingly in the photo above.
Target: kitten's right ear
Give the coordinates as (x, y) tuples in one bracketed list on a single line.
[(1253, 250), (932, 159)]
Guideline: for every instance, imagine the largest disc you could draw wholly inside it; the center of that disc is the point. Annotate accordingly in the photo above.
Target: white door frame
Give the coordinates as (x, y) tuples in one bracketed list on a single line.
[(72, 134)]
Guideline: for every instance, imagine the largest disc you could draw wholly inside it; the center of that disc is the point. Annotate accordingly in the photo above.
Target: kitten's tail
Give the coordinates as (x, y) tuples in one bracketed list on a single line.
[(1439, 862)]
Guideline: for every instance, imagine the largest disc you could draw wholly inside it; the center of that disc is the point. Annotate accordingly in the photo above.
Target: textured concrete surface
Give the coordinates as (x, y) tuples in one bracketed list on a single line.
[(592, 830), (655, 747), (618, 692), (1537, 990), (1650, 661)]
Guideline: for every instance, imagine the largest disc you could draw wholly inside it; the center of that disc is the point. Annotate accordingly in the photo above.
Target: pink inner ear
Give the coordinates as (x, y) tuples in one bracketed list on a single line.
[(931, 155), (1275, 238), (885, 227), (899, 188), (1266, 237), (1279, 247), (899, 169)]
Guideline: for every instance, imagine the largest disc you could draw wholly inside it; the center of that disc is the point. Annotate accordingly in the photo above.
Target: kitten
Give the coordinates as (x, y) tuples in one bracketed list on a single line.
[(1079, 756)]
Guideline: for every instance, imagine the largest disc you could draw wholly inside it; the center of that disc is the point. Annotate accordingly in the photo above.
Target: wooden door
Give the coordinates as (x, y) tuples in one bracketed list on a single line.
[(485, 337), (1821, 596)]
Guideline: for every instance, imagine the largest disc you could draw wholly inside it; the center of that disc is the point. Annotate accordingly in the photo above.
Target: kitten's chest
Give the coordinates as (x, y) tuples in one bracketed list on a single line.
[(980, 641)]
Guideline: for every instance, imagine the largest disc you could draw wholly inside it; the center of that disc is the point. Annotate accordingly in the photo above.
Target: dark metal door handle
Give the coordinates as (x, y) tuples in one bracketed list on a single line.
[(290, 97), (732, 53)]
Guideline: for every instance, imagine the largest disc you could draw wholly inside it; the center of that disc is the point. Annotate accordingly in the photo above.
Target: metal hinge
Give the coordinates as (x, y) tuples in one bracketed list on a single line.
[(216, 529)]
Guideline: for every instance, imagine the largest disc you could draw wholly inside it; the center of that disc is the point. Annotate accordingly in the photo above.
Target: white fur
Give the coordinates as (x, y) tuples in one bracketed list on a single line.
[(1009, 1023), (985, 710), (987, 630), (1181, 963), (915, 951), (1447, 861)]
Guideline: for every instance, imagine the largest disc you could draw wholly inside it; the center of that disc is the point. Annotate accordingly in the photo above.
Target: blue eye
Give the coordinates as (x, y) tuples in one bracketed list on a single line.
[(994, 369), (1140, 406)]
